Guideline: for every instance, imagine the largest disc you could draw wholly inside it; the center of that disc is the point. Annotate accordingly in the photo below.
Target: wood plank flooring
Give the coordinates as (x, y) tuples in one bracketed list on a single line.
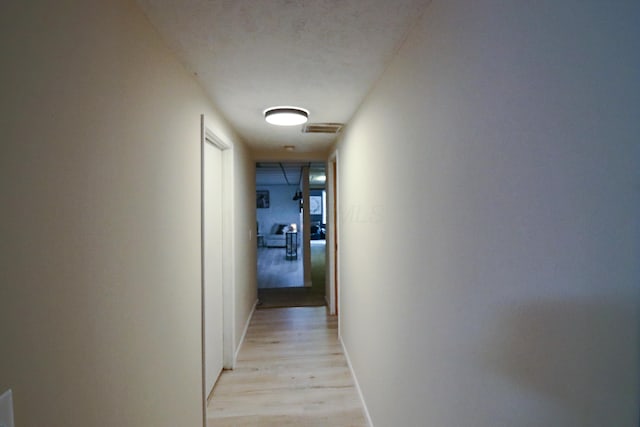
[(274, 271), (299, 296), (291, 371)]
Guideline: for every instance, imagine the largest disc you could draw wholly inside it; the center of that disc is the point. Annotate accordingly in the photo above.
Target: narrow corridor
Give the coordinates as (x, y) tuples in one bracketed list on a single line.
[(291, 371)]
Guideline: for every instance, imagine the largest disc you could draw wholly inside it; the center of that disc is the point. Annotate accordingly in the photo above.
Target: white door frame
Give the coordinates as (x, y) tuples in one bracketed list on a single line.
[(333, 240), (207, 136), (212, 263)]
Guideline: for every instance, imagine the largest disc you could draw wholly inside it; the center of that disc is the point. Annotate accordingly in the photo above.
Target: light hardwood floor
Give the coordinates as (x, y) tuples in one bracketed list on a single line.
[(291, 371)]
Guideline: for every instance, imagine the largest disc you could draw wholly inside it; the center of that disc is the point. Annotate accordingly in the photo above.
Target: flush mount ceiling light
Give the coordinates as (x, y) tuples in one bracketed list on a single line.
[(286, 116)]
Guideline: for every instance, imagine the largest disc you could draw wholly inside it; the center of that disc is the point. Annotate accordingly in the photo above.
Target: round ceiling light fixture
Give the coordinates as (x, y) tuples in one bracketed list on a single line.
[(286, 116)]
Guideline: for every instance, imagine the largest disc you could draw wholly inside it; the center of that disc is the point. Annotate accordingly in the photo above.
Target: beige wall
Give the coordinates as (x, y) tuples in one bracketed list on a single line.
[(100, 219), (246, 289), (489, 219)]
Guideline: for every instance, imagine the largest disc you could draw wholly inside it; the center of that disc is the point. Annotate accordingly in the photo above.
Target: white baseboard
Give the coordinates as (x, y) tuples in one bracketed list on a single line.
[(355, 380), (244, 332)]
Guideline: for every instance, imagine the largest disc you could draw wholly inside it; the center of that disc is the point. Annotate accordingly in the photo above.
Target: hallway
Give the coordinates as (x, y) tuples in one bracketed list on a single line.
[(482, 192), (290, 371)]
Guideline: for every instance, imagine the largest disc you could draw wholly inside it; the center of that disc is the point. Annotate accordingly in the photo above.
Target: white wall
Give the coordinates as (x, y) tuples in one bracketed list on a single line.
[(100, 219), (490, 219), (282, 209)]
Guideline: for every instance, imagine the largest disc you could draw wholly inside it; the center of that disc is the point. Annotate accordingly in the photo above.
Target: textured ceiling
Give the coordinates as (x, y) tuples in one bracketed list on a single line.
[(322, 55)]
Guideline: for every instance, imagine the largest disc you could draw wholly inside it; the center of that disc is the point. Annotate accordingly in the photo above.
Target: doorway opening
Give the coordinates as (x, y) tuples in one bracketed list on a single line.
[(291, 224)]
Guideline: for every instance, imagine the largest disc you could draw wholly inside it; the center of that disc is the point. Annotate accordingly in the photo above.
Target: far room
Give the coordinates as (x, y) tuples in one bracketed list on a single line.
[(291, 233)]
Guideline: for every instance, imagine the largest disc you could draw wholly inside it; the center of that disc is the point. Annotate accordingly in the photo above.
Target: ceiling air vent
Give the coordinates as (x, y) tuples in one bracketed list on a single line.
[(322, 128)]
